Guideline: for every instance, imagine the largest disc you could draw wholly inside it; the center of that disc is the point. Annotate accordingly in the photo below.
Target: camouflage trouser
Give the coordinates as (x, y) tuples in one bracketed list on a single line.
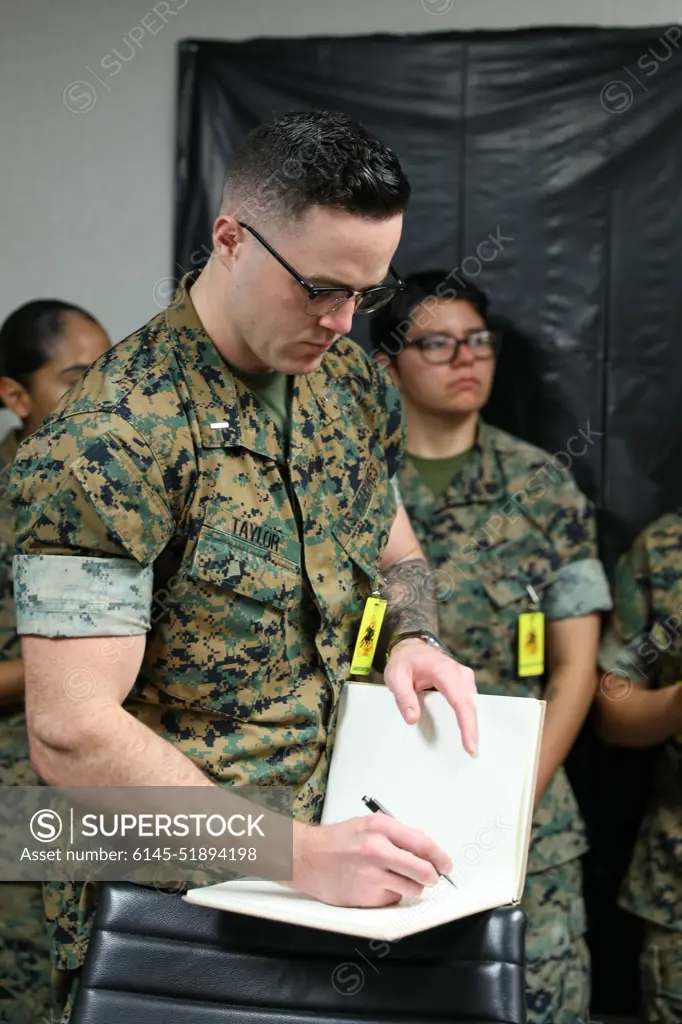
[(661, 970), (69, 911), (25, 969), (557, 958), (24, 950), (65, 988)]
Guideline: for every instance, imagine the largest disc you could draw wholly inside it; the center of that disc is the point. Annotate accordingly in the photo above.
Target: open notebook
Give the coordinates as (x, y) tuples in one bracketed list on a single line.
[(477, 809)]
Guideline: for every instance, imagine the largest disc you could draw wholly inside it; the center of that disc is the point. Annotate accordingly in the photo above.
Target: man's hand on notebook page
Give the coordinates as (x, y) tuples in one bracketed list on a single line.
[(369, 861), (412, 605), (414, 666)]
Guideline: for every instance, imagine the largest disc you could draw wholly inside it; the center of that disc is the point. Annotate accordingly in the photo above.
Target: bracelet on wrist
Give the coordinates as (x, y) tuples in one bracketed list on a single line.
[(416, 634)]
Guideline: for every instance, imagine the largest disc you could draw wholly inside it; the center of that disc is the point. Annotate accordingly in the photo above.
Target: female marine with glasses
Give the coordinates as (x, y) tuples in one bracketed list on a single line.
[(518, 583)]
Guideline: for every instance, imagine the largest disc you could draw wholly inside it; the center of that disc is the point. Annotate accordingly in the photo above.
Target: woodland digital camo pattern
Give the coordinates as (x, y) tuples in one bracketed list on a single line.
[(263, 563), (643, 643), (25, 969), (557, 985), (10, 643), (510, 519), (661, 974), (24, 952)]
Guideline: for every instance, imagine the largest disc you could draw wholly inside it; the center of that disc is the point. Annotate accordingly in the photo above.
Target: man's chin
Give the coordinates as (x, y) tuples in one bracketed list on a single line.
[(305, 362), (301, 358)]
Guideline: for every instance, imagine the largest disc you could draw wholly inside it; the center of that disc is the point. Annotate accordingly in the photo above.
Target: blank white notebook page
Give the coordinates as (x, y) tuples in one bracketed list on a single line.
[(472, 807)]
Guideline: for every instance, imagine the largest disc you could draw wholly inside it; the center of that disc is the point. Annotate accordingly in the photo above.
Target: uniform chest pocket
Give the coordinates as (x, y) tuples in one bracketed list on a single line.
[(240, 607), (510, 568)]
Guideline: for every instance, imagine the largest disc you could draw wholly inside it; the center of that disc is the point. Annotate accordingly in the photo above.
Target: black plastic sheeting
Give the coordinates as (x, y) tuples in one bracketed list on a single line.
[(547, 165)]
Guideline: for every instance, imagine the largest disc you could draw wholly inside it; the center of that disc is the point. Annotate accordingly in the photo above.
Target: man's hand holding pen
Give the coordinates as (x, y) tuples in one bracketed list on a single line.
[(369, 861)]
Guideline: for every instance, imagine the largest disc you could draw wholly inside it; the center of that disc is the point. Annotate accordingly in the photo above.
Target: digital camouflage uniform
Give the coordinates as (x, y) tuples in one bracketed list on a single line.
[(509, 519), (643, 643), (24, 955), (161, 473)]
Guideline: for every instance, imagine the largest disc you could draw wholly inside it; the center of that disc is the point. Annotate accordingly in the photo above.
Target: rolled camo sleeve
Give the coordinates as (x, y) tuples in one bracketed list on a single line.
[(629, 627), (623, 658), (92, 517), (72, 596), (579, 588)]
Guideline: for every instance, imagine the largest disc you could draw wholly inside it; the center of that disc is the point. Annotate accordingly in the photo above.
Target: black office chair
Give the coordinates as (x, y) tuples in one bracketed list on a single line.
[(154, 959)]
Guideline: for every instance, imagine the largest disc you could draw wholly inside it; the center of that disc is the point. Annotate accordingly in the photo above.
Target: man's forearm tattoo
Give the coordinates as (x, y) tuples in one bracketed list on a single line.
[(412, 604)]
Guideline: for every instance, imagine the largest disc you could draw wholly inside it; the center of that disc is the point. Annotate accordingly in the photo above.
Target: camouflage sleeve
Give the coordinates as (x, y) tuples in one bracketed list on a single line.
[(578, 588), (8, 624), (10, 645), (91, 518), (572, 525), (628, 627)]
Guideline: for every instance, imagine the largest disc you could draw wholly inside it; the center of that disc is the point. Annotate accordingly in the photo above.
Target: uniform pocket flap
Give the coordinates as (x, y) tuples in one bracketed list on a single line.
[(509, 569), (233, 565), (504, 591)]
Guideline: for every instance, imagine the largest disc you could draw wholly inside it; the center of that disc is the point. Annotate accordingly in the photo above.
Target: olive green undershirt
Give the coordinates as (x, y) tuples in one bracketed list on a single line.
[(273, 390), (437, 473)]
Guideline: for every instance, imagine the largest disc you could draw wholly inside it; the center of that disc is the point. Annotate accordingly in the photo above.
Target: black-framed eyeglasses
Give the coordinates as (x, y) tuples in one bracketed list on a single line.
[(439, 348), (324, 299)]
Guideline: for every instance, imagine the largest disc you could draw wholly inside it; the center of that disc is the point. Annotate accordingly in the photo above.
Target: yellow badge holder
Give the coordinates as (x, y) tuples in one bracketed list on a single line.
[(531, 641), (368, 635)]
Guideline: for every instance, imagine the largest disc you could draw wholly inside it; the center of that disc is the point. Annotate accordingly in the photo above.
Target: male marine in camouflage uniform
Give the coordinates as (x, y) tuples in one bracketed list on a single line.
[(220, 454), (509, 533), (640, 705)]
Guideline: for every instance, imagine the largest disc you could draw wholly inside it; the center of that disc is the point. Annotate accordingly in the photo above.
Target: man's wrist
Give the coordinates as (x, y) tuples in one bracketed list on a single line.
[(424, 635), (300, 853)]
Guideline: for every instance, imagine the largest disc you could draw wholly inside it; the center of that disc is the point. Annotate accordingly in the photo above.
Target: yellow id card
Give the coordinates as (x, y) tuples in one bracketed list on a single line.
[(368, 636), (531, 644)]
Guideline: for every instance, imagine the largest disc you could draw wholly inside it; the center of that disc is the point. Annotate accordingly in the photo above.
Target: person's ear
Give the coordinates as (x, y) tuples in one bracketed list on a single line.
[(392, 370), (381, 358), (15, 397), (227, 237)]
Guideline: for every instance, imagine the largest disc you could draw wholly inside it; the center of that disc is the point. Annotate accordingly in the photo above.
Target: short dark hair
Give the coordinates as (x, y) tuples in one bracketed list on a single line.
[(29, 334), (308, 158), (390, 323)]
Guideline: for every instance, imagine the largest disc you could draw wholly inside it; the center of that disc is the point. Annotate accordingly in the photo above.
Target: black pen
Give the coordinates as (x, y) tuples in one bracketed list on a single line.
[(375, 806)]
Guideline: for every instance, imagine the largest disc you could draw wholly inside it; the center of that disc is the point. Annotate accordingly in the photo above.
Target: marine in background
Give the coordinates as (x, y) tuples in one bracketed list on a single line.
[(520, 588), (45, 347), (639, 706)]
